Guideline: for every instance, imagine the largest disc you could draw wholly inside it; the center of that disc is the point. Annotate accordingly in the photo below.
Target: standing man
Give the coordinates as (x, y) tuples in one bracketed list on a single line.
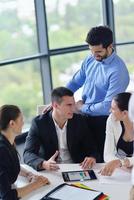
[(63, 136), (102, 75)]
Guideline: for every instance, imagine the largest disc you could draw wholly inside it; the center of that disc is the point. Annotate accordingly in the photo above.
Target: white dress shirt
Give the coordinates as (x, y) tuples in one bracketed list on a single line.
[(64, 155)]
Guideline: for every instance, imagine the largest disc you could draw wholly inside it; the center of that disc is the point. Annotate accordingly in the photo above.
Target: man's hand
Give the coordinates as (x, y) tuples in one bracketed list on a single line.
[(78, 105), (51, 163), (88, 163), (110, 167)]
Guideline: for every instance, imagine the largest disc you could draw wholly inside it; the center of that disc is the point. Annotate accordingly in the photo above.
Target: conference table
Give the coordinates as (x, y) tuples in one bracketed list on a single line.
[(117, 187)]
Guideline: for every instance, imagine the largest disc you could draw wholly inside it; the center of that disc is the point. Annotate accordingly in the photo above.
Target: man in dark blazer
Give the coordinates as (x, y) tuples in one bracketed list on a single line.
[(63, 136)]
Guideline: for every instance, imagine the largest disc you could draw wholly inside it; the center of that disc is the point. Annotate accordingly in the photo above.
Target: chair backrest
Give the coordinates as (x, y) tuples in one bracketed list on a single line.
[(40, 109)]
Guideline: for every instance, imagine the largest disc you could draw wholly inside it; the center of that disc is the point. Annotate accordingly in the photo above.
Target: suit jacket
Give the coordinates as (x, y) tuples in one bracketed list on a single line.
[(9, 169), (80, 140)]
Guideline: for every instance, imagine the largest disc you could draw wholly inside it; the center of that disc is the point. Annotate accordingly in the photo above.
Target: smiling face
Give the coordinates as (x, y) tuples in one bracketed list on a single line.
[(118, 114), (99, 52), (17, 124)]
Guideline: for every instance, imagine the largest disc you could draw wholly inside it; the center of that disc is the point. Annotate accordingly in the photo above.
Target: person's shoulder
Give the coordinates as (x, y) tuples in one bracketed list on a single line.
[(42, 117), (3, 148), (2, 141), (79, 117), (111, 120), (89, 58), (119, 61)]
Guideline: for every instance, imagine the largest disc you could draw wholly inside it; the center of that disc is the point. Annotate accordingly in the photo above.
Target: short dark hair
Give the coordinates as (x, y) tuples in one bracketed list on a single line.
[(59, 92), (122, 100), (7, 113), (100, 35)]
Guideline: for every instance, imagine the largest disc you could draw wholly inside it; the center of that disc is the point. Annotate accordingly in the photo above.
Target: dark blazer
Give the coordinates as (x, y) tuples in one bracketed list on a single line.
[(43, 134), (9, 169)]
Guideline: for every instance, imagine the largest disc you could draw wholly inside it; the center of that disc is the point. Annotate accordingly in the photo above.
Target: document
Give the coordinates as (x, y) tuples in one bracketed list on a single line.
[(68, 192)]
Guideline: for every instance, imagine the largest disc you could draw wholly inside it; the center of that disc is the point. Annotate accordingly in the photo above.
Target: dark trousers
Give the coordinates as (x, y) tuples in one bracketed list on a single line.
[(97, 125)]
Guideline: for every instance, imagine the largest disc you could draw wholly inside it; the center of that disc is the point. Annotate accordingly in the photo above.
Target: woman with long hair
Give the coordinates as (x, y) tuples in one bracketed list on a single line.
[(118, 148), (11, 122)]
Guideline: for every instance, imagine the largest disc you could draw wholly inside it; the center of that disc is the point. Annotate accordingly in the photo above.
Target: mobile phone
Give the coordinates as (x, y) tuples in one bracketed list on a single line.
[(79, 175)]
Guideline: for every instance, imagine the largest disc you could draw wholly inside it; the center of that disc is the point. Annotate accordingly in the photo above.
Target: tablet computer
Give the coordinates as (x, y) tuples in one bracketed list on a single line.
[(82, 175)]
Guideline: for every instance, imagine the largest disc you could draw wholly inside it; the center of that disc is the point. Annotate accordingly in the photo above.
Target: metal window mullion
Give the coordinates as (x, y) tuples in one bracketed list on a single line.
[(43, 49), (108, 16)]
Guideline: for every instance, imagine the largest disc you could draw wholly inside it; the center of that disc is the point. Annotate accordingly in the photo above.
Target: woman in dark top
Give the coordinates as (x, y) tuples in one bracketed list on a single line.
[(11, 122), (118, 149)]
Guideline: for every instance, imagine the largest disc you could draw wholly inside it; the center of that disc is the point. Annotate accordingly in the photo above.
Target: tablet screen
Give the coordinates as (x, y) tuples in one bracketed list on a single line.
[(79, 175)]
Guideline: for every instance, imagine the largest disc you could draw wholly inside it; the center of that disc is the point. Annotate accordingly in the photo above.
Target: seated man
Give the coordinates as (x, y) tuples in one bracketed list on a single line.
[(63, 135)]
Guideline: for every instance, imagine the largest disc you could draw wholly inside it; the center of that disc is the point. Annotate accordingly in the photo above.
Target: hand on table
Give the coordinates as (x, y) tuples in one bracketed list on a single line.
[(88, 162), (110, 167)]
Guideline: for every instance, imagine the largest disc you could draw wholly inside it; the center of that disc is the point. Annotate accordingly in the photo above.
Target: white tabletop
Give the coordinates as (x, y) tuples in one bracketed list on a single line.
[(116, 187)]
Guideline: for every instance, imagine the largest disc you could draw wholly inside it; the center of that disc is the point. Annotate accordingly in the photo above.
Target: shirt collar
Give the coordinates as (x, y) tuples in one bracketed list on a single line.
[(109, 58), (65, 125)]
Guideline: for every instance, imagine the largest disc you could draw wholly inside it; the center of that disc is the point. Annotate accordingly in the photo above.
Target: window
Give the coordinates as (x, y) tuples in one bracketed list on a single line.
[(21, 85), (63, 67), (69, 21), (124, 23), (17, 28), (126, 53)]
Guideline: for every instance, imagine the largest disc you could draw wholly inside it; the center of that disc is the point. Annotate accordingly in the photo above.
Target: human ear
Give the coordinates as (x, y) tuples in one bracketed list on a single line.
[(11, 123), (125, 113), (55, 105)]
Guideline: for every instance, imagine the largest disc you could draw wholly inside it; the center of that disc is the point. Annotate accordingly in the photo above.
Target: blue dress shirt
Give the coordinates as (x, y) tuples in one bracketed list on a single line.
[(101, 80)]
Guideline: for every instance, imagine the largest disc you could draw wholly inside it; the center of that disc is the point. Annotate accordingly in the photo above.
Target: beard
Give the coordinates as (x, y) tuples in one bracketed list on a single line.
[(102, 57)]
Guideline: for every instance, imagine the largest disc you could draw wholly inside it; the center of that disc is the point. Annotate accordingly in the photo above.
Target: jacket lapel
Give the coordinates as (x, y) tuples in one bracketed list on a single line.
[(53, 131)]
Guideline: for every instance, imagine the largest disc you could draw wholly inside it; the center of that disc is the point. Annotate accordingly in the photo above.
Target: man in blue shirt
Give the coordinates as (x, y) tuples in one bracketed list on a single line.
[(102, 75)]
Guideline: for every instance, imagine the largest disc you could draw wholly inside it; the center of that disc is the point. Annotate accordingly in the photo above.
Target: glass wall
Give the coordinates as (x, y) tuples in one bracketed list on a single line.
[(124, 30), (63, 67), (17, 29), (126, 53), (69, 21), (124, 20), (21, 85)]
